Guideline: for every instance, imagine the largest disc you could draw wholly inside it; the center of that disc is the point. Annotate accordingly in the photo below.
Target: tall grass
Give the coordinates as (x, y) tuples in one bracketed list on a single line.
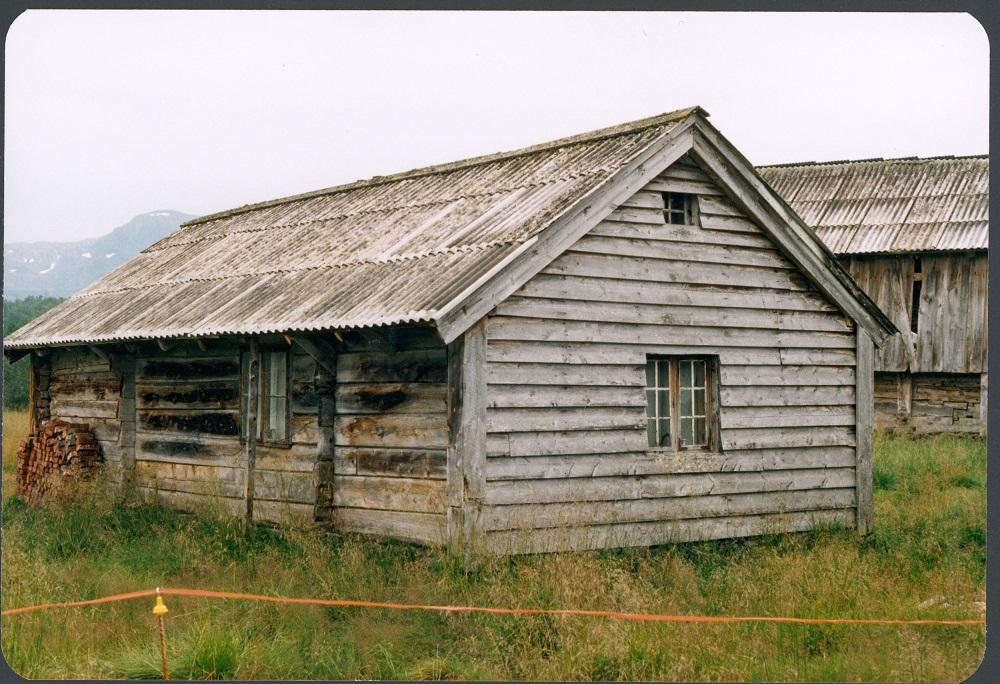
[(924, 559)]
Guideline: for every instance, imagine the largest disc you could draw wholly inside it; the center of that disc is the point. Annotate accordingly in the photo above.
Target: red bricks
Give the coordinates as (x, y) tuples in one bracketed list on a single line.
[(55, 456)]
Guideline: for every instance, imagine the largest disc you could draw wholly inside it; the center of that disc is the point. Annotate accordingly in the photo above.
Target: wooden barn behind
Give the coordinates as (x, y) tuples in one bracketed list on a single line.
[(914, 234), (620, 338)]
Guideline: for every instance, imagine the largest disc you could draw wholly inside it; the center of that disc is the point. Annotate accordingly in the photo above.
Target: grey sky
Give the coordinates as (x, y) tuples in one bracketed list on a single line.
[(112, 114)]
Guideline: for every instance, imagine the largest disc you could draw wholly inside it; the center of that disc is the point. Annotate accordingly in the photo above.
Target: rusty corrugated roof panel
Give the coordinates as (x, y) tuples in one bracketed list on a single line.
[(890, 205), (384, 251)]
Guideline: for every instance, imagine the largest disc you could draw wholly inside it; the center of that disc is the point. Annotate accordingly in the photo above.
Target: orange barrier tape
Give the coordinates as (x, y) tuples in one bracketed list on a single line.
[(349, 603)]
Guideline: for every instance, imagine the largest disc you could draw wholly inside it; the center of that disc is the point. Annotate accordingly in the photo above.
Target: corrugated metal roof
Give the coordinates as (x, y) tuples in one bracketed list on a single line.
[(890, 205), (383, 251)]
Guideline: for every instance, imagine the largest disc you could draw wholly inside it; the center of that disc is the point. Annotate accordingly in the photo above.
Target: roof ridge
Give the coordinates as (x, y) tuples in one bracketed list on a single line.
[(589, 136), (834, 162)]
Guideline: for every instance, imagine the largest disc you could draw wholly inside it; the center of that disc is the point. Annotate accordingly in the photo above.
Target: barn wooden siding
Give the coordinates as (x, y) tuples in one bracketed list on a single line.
[(567, 463), (391, 436), (933, 380), (952, 310)]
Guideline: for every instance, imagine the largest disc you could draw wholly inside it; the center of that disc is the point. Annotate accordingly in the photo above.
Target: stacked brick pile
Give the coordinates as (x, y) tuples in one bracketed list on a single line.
[(53, 457)]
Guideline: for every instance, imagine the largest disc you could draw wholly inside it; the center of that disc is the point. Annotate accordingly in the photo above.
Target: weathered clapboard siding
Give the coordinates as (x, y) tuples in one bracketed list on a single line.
[(391, 435), (83, 387), (568, 465)]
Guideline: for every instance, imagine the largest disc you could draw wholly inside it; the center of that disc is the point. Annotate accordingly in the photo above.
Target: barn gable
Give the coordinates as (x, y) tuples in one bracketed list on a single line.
[(568, 463)]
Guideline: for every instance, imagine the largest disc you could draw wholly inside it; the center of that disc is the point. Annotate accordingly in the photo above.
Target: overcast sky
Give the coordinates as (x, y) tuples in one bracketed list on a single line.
[(112, 114)]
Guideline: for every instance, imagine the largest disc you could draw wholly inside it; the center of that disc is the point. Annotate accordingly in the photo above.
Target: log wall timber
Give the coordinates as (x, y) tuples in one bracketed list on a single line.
[(928, 403), (391, 437), (188, 438), (83, 387), (567, 460)]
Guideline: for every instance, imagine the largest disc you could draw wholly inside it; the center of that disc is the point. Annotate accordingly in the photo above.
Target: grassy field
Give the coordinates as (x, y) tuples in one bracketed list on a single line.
[(925, 559)]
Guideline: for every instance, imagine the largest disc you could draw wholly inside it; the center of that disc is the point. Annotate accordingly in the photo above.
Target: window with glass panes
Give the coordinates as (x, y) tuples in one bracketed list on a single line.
[(678, 402), (678, 208), (272, 397)]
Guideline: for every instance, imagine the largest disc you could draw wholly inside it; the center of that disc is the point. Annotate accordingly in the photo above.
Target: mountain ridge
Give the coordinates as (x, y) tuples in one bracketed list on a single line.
[(58, 269)]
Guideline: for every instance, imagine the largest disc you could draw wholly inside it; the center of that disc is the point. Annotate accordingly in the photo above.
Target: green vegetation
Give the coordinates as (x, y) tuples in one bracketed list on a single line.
[(925, 559), (15, 375)]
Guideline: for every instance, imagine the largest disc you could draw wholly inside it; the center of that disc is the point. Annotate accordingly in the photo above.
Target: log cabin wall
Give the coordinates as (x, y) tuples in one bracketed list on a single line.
[(933, 379), (189, 452), (82, 386), (567, 459), (391, 435)]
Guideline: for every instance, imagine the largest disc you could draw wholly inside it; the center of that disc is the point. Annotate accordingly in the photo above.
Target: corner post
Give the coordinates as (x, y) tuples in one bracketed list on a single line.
[(467, 454), (864, 419), (250, 448), (124, 364)]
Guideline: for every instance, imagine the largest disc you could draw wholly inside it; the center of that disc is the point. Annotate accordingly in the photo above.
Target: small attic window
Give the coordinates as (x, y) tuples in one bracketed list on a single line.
[(677, 209)]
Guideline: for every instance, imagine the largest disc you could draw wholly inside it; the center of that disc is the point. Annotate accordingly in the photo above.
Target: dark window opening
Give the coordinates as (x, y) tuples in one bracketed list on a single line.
[(918, 277), (677, 208), (915, 306)]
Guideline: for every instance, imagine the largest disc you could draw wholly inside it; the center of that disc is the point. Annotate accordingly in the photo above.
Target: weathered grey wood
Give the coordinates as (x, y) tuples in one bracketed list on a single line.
[(386, 397), (665, 463), (559, 443), (423, 528), (390, 493), (84, 408), (587, 513), (660, 532), (185, 447), (787, 395), (562, 396), (766, 257), (418, 365), (571, 418), (188, 394), (250, 434), (982, 404), (786, 375), (472, 304), (319, 350), (396, 430), (612, 289), (422, 463), (656, 313), (498, 373), (678, 235), (658, 486), (472, 438), (801, 245), (767, 438), (865, 423), (687, 186), (674, 271), (125, 364), (454, 486), (536, 330)]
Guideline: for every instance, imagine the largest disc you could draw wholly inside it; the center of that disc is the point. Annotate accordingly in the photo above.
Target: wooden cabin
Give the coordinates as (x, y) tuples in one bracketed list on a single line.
[(619, 338), (913, 233)]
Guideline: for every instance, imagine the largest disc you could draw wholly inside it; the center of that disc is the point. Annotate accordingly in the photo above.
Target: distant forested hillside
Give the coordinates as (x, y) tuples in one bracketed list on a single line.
[(15, 375)]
